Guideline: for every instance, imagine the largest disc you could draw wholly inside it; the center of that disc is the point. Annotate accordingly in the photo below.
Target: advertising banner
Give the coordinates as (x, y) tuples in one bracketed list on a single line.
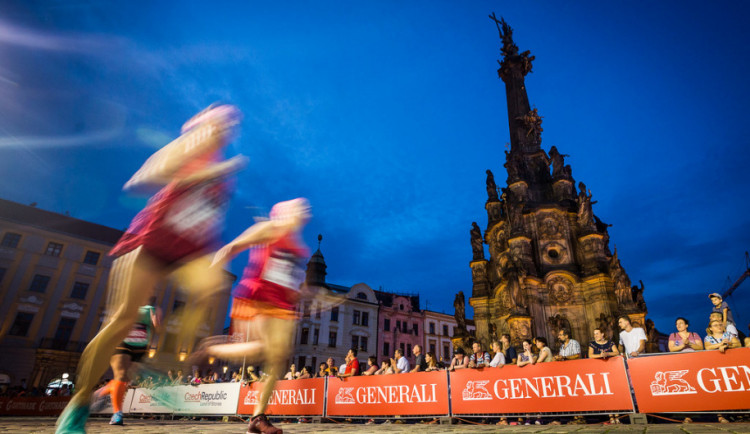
[(106, 406), (570, 386), (701, 381), (142, 401), (289, 398), (219, 398), (37, 406), (420, 393)]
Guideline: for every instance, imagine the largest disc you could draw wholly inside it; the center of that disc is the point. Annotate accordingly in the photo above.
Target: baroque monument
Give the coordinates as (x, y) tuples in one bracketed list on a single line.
[(550, 266)]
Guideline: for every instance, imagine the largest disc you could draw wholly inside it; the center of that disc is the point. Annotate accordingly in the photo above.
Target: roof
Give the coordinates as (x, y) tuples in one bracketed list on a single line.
[(52, 221), (386, 298)]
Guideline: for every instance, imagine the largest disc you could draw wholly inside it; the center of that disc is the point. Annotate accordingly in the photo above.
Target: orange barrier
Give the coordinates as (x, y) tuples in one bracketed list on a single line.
[(701, 381), (38, 406), (421, 393), (289, 398), (585, 385)]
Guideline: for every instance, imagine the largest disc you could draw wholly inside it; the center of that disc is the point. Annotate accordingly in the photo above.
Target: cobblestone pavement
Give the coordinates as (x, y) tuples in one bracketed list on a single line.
[(98, 425)]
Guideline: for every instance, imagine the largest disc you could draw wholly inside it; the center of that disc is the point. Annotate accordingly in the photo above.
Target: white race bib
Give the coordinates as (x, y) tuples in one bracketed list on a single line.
[(282, 269)]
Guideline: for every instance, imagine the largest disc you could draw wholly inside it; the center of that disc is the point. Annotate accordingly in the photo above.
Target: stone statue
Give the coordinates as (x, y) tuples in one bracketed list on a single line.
[(558, 162), (512, 166), (459, 304), (637, 293), (506, 34), (491, 187), (513, 211), (477, 247), (533, 123), (492, 332), (515, 276), (585, 213)]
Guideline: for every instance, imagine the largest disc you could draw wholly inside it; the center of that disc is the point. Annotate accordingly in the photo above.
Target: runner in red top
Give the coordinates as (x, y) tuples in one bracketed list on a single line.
[(172, 235), (267, 295)]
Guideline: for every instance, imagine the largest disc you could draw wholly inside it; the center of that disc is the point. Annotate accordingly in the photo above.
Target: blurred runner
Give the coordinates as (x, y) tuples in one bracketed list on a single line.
[(267, 296), (171, 236)]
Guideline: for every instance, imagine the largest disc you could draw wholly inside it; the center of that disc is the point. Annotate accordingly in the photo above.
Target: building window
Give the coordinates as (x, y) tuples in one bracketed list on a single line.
[(332, 339), (356, 317), (454, 331), (64, 331), (362, 296), (387, 325), (306, 309), (53, 249), (316, 336), (401, 306), (386, 349), (2, 273), (39, 283), (398, 325), (21, 324), (304, 336), (314, 364), (91, 258), (416, 329), (365, 318), (317, 312), (79, 290), (432, 347), (408, 349), (446, 352), (335, 314), (445, 330), (432, 328), (11, 239), (300, 363), (403, 348), (363, 343), (405, 328), (355, 342)]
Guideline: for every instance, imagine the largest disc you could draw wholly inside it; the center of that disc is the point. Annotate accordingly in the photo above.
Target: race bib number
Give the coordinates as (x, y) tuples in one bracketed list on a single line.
[(196, 216), (282, 269), (138, 336)]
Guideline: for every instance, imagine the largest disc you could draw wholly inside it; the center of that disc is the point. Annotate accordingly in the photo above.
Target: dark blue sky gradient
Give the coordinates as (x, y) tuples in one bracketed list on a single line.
[(387, 114)]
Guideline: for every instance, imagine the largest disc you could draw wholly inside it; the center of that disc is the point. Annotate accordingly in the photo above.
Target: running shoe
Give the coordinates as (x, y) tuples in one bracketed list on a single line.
[(116, 419), (73, 420), (261, 425)]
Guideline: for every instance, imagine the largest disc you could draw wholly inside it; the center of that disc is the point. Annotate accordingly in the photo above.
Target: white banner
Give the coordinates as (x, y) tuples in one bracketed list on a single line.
[(142, 401), (219, 398)]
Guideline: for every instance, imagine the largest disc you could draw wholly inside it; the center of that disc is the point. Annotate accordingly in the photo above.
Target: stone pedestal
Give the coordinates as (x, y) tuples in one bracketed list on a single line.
[(480, 283), (494, 212), (563, 189)]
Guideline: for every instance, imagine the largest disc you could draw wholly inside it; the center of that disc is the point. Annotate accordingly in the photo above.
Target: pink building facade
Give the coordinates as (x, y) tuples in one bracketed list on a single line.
[(400, 325)]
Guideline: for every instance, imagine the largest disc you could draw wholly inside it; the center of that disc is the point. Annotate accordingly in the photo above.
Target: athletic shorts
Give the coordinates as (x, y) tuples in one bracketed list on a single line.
[(135, 353)]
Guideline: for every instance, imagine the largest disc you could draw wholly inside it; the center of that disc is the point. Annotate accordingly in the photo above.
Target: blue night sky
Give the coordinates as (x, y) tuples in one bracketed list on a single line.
[(386, 115)]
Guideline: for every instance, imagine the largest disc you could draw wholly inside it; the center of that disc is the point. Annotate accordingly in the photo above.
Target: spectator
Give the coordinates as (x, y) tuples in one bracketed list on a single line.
[(420, 364), (305, 373), (321, 370), (385, 368), (508, 351), (292, 373), (372, 366), (722, 307), (499, 359), (527, 357), (545, 354), (570, 348), (729, 326), (632, 339), (684, 340), (179, 378), (601, 347), (352, 364), (431, 363), (720, 339), (479, 358), (331, 369), (252, 376), (399, 363), (460, 361), (170, 375)]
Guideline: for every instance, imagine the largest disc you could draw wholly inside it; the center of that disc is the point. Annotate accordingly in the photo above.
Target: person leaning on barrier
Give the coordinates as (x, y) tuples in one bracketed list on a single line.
[(601, 347), (479, 358), (729, 327), (321, 370), (331, 369), (684, 340), (460, 361), (720, 339), (291, 373), (632, 339), (372, 366), (420, 364), (527, 356), (305, 373), (508, 351), (545, 353), (385, 368), (499, 359), (352, 364), (431, 363), (399, 363), (570, 348)]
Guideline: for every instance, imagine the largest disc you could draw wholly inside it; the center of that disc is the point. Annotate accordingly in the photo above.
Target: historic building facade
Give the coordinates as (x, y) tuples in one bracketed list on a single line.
[(400, 324), (549, 266), (53, 277), (439, 329)]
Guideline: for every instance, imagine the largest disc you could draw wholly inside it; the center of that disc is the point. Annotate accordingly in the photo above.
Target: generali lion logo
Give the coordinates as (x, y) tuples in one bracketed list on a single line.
[(476, 391), (345, 396), (671, 383), (251, 398)]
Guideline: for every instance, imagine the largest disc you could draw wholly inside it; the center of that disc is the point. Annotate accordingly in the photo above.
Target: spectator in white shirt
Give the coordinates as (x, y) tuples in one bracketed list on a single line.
[(399, 362), (499, 359), (570, 349), (632, 339)]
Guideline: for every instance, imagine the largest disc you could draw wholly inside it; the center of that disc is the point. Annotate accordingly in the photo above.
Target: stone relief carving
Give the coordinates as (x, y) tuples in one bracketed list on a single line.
[(560, 290)]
